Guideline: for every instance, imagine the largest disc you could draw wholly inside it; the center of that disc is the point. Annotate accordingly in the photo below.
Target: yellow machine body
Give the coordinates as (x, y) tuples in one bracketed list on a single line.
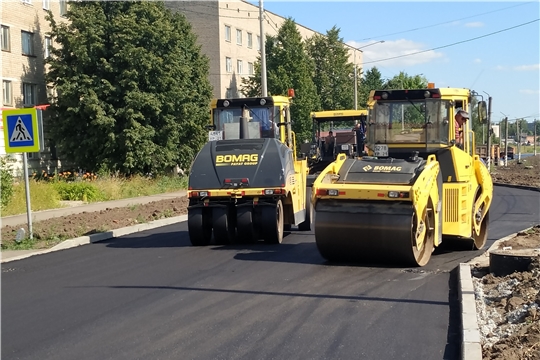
[(247, 183), (420, 184)]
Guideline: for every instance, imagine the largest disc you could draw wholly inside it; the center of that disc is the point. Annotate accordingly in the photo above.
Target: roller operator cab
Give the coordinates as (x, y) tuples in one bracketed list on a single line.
[(420, 183), (348, 133), (247, 183)]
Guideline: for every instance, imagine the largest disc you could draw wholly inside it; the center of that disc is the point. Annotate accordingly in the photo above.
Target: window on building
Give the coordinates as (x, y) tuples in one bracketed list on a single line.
[(27, 1), (46, 4), (29, 94), (227, 33), (6, 46), (48, 46), (258, 43), (63, 7), (7, 93), (250, 40), (251, 70), (228, 64), (239, 36), (239, 67), (27, 39)]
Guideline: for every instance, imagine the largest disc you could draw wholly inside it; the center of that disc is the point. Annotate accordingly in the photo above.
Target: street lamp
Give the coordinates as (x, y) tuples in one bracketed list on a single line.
[(264, 90), (505, 139), (355, 72), (489, 132)]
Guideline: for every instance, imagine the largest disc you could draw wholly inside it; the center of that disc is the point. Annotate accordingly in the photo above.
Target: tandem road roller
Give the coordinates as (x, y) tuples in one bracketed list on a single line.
[(247, 183), (420, 183)]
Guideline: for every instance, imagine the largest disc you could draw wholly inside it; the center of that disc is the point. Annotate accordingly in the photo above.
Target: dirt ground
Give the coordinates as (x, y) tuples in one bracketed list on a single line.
[(50, 232), (508, 307), (527, 173)]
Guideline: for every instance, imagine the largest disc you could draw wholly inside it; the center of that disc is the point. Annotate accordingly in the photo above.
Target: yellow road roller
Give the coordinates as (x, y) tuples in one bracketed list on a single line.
[(420, 184), (247, 183)]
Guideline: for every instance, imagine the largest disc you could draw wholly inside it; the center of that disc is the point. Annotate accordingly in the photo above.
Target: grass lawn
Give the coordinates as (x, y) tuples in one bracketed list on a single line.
[(46, 194)]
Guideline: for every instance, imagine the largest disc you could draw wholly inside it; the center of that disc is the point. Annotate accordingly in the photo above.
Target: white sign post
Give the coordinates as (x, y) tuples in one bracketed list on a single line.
[(23, 130)]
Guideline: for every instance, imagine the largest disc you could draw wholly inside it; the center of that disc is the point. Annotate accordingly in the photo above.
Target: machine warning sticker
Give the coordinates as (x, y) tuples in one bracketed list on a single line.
[(237, 160)]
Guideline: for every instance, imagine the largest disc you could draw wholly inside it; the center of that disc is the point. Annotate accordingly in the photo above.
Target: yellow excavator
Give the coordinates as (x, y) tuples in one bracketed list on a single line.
[(420, 184), (247, 183)]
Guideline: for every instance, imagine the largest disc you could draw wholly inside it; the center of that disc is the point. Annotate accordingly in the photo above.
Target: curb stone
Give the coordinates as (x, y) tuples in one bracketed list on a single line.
[(523, 187), (88, 239)]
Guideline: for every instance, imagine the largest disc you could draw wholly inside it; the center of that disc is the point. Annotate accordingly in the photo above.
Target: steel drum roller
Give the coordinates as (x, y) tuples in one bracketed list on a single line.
[(368, 231)]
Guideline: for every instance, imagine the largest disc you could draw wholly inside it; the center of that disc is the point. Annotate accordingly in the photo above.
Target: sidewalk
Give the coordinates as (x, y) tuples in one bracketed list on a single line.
[(8, 255)]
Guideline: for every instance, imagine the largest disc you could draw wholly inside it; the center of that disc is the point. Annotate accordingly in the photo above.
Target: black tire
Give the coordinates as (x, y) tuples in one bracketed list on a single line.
[(199, 226), (245, 226), (306, 224), (224, 225), (272, 223)]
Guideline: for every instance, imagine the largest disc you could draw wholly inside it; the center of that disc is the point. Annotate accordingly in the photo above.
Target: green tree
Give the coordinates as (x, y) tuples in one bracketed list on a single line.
[(404, 81), (371, 80), (132, 87), (288, 66), (334, 74), (6, 181)]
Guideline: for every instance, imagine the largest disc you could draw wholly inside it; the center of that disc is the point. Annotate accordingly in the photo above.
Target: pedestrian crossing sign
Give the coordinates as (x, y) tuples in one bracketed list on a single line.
[(21, 130)]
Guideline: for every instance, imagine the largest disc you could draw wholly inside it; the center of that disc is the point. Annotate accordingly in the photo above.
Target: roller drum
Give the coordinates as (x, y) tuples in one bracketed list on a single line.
[(352, 231)]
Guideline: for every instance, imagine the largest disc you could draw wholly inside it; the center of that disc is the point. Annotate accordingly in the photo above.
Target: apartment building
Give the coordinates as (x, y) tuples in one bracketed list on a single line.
[(25, 46), (228, 32)]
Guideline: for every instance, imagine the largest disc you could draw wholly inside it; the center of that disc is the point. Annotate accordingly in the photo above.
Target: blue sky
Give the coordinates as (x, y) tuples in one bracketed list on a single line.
[(503, 63)]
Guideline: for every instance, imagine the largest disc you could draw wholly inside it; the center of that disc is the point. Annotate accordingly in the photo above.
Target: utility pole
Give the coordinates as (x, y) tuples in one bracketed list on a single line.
[(489, 134), (264, 89), (506, 141), (355, 83), (518, 132), (534, 138)]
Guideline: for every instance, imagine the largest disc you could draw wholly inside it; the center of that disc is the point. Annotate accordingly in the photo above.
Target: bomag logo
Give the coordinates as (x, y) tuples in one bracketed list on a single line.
[(387, 169), (237, 160)]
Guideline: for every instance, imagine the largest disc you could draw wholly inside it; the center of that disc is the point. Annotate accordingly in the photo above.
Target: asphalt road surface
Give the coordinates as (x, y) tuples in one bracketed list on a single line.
[(153, 296)]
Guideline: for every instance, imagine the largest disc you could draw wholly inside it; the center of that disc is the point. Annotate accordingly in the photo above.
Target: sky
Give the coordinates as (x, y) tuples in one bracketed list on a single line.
[(489, 47)]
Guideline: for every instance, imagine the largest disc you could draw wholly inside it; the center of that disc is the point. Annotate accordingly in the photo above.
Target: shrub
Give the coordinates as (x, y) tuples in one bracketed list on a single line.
[(6, 182), (77, 191)]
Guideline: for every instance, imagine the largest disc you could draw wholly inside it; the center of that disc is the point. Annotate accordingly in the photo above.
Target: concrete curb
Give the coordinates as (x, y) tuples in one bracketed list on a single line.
[(84, 240), (523, 187), (471, 347)]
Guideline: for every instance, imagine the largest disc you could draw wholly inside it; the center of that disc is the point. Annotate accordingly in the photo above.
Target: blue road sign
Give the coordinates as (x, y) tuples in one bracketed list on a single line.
[(21, 131)]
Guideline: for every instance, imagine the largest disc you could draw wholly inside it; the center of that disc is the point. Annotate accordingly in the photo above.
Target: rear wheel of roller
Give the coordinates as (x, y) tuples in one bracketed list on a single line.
[(224, 225), (199, 226), (481, 238), (245, 225), (272, 223), (423, 237)]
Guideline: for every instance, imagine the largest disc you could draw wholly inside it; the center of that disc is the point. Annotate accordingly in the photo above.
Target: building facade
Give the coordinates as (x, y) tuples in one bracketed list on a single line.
[(228, 32), (25, 46)]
